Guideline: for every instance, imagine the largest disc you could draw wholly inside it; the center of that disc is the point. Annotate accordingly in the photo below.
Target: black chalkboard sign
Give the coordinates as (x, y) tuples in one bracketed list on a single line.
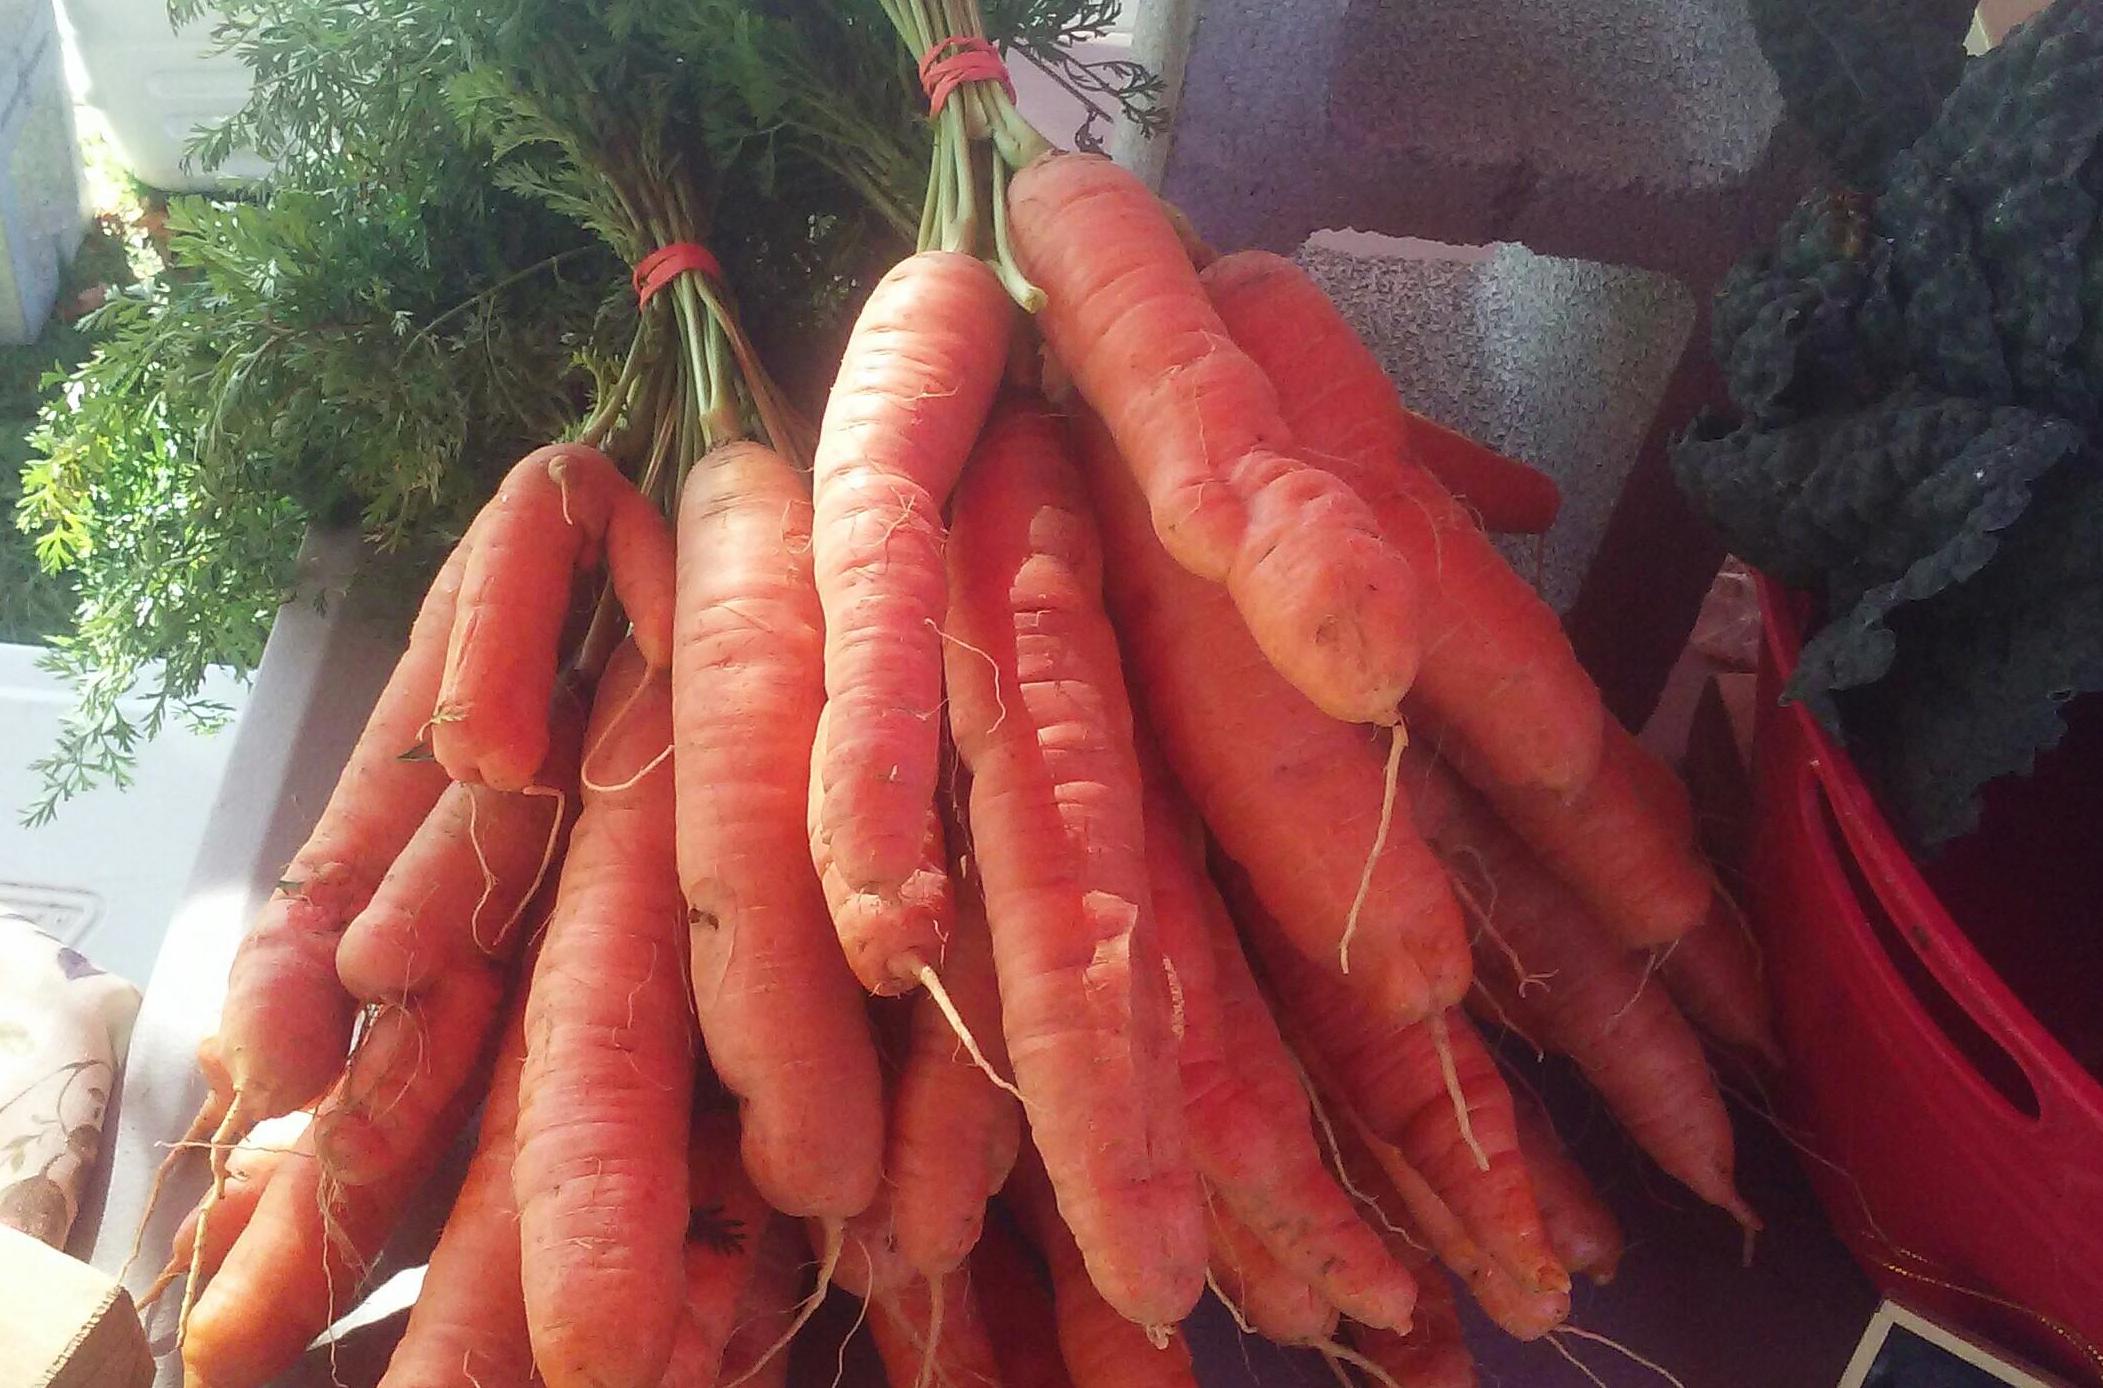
[(1903, 1349)]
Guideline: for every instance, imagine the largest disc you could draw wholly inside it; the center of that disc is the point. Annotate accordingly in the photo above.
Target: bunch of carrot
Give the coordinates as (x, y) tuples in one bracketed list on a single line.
[(1046, 853)]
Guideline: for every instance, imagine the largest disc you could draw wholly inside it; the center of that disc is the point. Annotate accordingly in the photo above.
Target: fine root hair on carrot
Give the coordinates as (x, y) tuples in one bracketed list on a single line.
[(1652, 962), (1443, 1043), (1763, 1107), (926, 1377), (835, 1240), (1398, 740), (1504, 1019), (839, 1363), (1336, 1162), (613, 725), (1556, 1335), (200, 1128), (932, 982), (1486, 926), (1241, 1321), (991, 664), (1336, 1352), (1336, 1371), (540, 874)]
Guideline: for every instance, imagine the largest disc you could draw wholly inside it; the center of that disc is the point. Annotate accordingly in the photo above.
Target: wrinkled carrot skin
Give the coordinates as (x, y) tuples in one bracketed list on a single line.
[(1507, 496), (1038, 709), (884, 933), (1251, 1128), (1497, 669), (1391, 1077), (559, 510), (286, 1022), (469, 1321), (248, 1171), (458, 889), (953, 1134), (1293, 796), (1418, 1225), (964, 1355), (1101, 1347), (1586, 1235), (917, 378), (412, 1063), (779, 1009), (1332, 606), (298, 1265), (601, 1169), (1632, 868), (1279, 1305), (1592, 1002), (1014, 1292)]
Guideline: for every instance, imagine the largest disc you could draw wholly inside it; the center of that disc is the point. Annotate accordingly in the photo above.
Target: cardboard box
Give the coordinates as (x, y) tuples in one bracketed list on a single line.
[(42, 211), (63, 1324)]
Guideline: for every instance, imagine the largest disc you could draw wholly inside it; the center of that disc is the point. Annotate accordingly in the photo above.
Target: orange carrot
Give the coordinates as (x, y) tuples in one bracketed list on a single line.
[(1295, 797), (1586, 1235), (1715, 974), (1014, 1293), (297, 1266), (1632, 868), (1332, 606), (773, 1295), (1251, 1129), (722, 1233), (1507, 496), (953, 1133), (1404, 1083), (914, 386), (1038, 708), (286, 1022), (1101, 1348), (903, 1321), (1432, 1355), (469, 1321), (1591, 1001), (559, 508), (600, 1173), (248, 1171), (1655, 782), (779, 1009), (1417, 1225), (1263, 1295), (1497, 670), (458, 889)]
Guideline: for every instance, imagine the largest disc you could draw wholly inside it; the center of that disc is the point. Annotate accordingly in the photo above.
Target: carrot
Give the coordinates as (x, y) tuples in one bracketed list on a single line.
[(603, 1098), (779, 1009), (297, 1266), (1405, 1083), (286, 1022), (1715, 974), (248, 1170), (1432, 1355), (412, 1062), (913, 389), (1632, 868), (722, 1247), (1100, 1346), (1591, 1001), (1655, 783), (1497, 670), (1262, 1295), (884, 934), (1295, 797), (773, 1295), (1332, 606), (1418, 1225), (1038, 709), (1014, 1294), (1507, 496), (1251, 1130), (907, 1321), (953, 1133), (469, 1321), (1586, 1235), (559, 508), (458, 889)]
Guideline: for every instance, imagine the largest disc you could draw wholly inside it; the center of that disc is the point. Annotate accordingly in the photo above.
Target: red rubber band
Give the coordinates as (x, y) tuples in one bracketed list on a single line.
[(975, 60), (667, 263)]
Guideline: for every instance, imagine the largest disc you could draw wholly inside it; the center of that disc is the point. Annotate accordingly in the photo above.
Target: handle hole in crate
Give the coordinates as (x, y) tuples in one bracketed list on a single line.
[(1989, 1059)]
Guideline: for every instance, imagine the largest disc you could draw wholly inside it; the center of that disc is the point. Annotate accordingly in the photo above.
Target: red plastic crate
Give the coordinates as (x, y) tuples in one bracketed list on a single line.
[(1966, 1140)]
